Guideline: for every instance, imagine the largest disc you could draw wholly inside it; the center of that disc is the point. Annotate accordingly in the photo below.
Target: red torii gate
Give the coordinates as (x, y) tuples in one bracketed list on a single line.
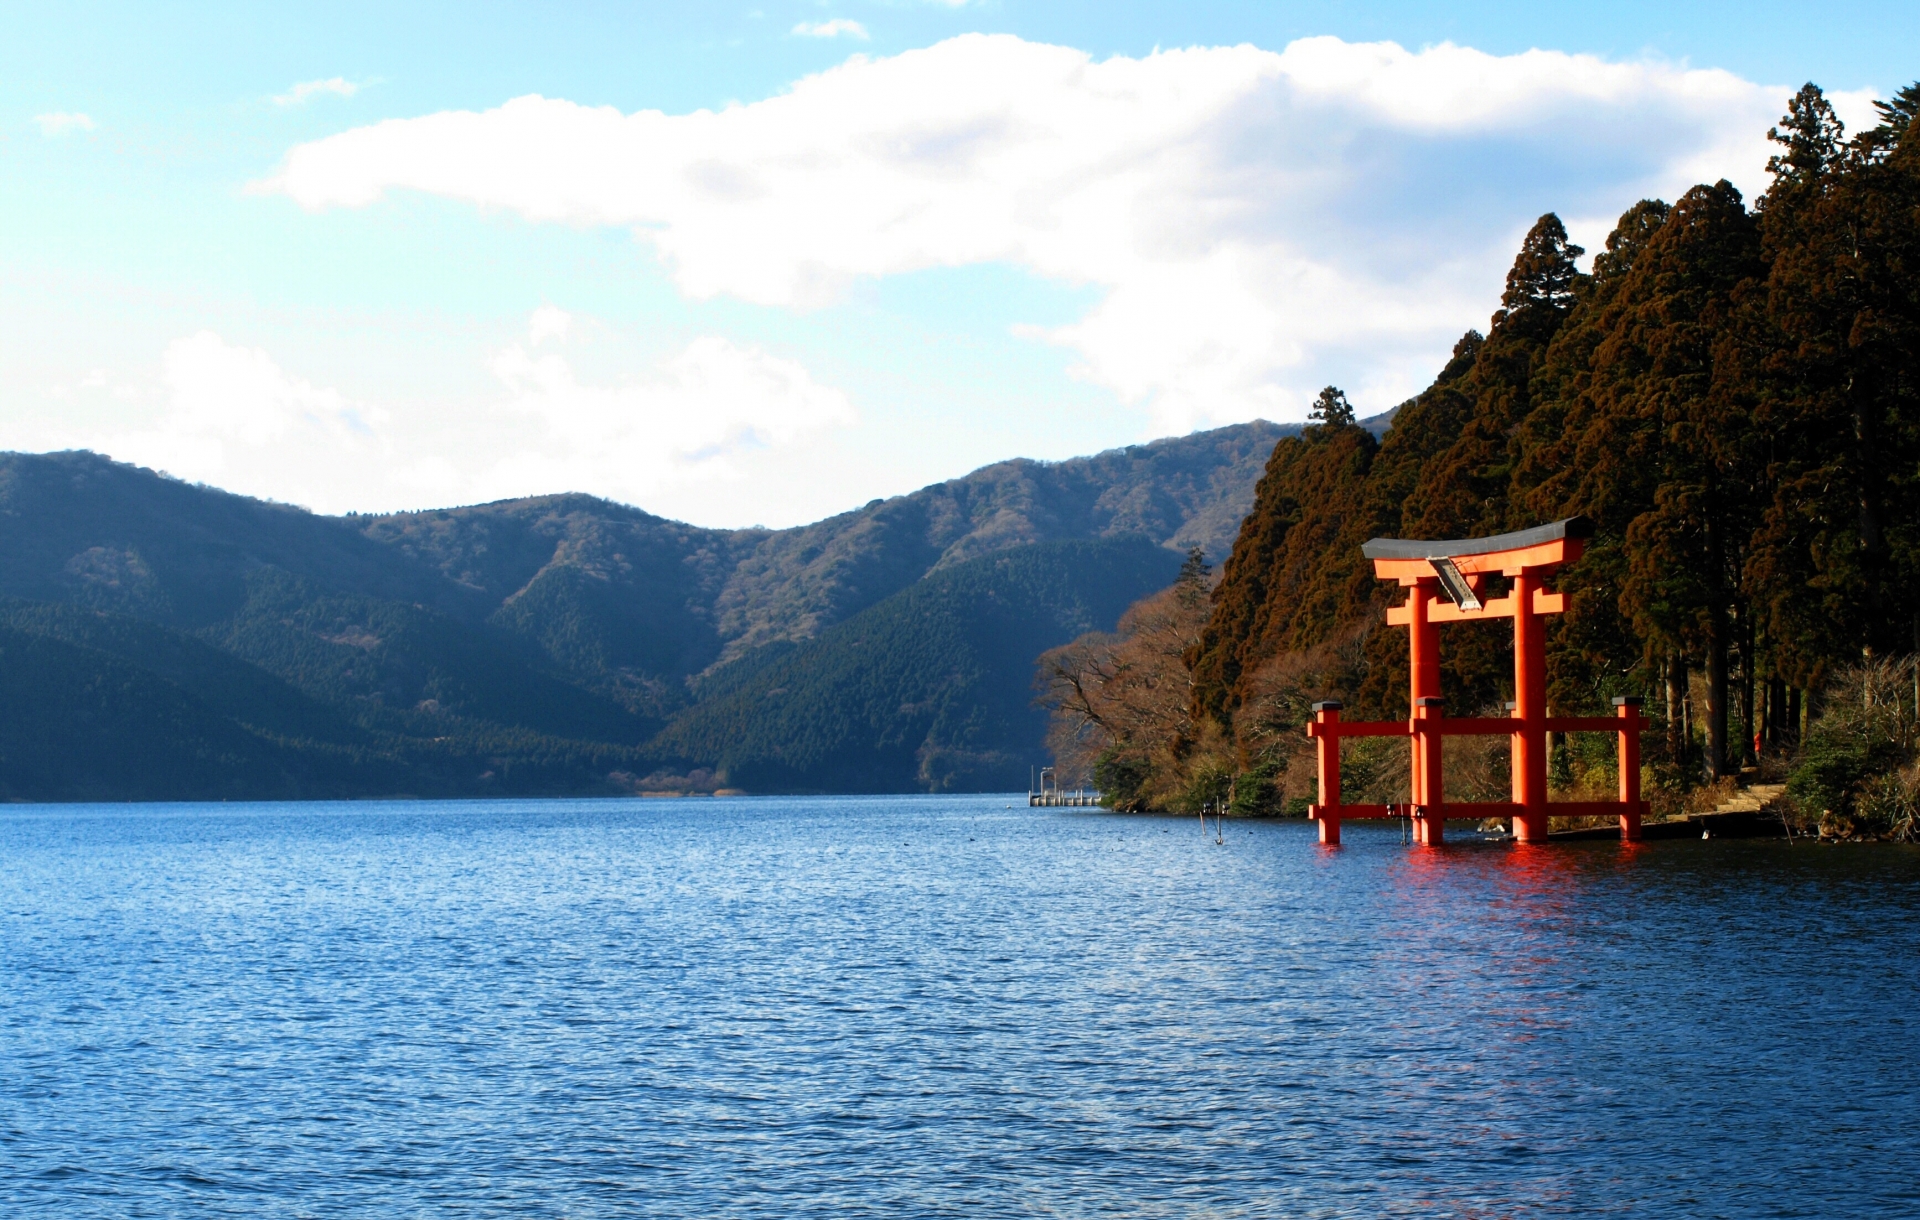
[(1442, 580)]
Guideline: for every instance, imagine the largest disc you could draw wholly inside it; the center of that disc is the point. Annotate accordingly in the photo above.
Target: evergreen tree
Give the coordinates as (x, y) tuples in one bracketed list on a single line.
[(1423, 429), (1837, 554), (1733, 396), (1463, 490), (1809, 135), (1463, 487), (1196, 577), (1331, 408), (1593, 650), (1544, 279), (1675, 447), (1897, 114), (1295, 574)]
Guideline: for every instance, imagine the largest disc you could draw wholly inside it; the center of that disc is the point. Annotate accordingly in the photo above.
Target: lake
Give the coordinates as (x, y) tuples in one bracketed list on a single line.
[(937, 1006)]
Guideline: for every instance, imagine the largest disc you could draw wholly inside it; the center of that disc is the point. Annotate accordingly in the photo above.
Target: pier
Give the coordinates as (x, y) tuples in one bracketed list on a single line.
[(1078, 797), (1047, 794)]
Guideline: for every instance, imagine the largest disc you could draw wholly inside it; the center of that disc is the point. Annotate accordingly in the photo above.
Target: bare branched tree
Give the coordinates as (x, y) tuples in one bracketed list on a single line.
[(1126, 693)]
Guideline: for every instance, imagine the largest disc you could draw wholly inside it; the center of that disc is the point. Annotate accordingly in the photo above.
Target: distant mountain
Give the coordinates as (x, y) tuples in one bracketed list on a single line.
[(930, 688), (77, 528), (1376, 424), (612, 590), (100, 706), (80, 724), (617, 597), (566, 643)]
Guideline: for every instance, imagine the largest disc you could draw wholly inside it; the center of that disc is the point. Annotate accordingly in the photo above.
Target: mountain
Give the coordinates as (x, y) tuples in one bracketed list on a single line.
[(564, 643), (619, 598), (641, 603), (101, 706), (932, 683), (81, 724), (78, 528)]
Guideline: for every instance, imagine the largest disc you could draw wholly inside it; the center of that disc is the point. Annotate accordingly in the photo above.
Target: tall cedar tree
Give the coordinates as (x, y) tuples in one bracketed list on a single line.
[(1464, 491), (1296, 577), (1465, 459), (1668, 461), (1592, 649), (1837, 563), (1286, 584)]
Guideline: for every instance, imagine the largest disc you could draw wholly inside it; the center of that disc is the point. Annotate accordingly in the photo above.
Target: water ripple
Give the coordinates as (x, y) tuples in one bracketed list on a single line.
[(936, 1007)]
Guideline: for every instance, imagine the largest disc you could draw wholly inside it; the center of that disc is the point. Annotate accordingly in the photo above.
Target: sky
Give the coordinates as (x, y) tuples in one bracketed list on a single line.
[(762, 263)]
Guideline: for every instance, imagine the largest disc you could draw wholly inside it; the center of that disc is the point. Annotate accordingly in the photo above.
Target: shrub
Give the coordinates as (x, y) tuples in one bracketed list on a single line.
[(1258, 791), (1855, 772), (1120, 777)]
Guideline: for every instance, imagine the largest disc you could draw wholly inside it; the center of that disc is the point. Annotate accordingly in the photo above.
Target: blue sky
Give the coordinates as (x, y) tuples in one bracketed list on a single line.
[(314, 254)]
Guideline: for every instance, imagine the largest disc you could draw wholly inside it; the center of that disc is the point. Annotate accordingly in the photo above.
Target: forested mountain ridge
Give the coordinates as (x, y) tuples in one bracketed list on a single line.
[(100, 706), (620, 598), (76, 527), (1732, 394), (532, 645), (933, 682), (728, 592)]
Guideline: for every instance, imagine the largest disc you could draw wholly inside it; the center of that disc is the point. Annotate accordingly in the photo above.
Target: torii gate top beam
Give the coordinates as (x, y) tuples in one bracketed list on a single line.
[(1540, 549)]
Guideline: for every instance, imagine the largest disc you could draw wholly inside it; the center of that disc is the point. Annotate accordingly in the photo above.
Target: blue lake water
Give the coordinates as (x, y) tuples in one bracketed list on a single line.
[(937, 1007)]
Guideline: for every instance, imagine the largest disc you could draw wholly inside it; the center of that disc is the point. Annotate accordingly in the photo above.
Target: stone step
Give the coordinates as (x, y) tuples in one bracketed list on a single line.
[(1751, 799)]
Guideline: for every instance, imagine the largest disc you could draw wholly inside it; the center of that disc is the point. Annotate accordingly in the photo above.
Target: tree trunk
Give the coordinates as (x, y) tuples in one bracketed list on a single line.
[(1716, 760), (1779, 726), (1749, 734), (1677, 708)]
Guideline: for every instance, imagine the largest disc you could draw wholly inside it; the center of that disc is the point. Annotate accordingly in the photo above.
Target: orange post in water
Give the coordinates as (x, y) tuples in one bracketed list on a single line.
[(1631, 726), (1530, 709), (1326, 719), (1429, 799)]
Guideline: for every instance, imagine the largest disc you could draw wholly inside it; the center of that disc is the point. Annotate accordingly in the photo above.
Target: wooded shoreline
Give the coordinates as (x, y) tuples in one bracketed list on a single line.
[(1731, 393)]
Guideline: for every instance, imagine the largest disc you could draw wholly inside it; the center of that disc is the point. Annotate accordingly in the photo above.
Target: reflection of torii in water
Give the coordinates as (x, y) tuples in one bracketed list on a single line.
[(1443, 581)]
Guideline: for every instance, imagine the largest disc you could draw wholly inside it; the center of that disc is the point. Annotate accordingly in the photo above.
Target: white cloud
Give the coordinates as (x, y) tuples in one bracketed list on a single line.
[(831, 29), (339, 86), (59, 123), (235, 418), (1261, 223), (548, 322), (220, 390), (230, 415), (689, 421)]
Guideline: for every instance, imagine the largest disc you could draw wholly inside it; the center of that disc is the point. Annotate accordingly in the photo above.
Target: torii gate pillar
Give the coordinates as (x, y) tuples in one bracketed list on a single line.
[(1529, 766)]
